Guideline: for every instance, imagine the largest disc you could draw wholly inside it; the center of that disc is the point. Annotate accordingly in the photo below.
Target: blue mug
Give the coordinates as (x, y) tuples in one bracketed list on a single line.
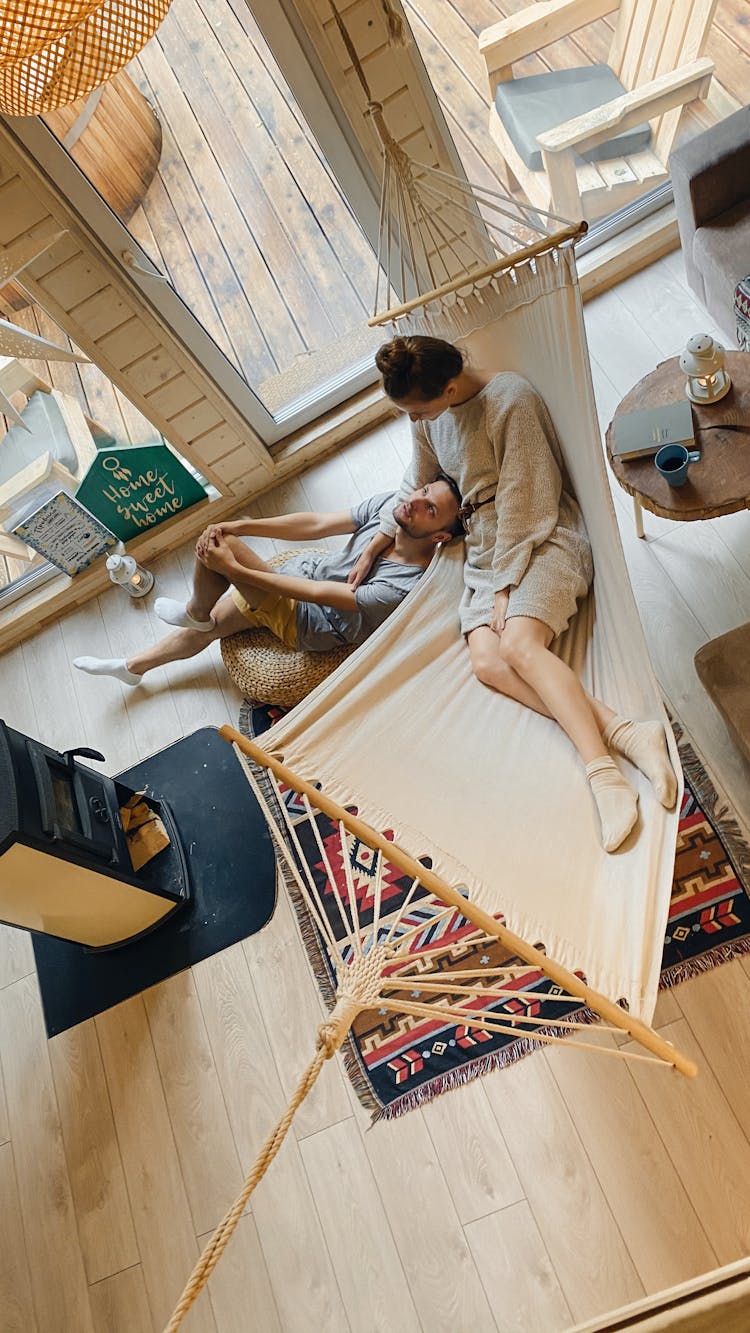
[(672, 463)]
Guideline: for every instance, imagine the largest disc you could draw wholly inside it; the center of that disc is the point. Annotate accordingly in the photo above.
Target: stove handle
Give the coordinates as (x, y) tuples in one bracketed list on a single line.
[(84, 752)]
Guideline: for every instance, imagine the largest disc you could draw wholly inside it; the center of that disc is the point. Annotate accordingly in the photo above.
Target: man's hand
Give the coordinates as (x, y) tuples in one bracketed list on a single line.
[(376, 546), (206, 538), (501, 606), (216, 553)]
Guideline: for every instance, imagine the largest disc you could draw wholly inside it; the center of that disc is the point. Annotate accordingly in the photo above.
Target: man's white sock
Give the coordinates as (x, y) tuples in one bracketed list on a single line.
[(176, 613), (645, 745), (108, 666), (616, 801)]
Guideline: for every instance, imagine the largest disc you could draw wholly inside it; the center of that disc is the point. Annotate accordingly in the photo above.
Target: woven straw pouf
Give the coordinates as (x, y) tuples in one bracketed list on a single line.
[(269, 672)]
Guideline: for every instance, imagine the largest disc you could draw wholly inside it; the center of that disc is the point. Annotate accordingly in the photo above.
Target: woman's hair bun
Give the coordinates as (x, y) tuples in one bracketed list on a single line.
[(395, 357)]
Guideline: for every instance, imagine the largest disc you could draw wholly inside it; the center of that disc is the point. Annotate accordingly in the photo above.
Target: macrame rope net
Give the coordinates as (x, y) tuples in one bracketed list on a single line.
[(378, 964)]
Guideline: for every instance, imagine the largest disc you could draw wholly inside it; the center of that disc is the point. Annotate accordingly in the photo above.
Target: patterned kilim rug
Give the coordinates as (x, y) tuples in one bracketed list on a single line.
[(398, 1061)]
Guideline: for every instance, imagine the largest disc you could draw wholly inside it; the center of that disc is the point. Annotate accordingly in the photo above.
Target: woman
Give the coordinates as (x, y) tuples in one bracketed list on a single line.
[(528, 559)]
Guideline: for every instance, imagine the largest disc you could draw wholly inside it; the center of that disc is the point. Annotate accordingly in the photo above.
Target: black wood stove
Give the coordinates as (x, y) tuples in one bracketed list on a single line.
[(65, 867)]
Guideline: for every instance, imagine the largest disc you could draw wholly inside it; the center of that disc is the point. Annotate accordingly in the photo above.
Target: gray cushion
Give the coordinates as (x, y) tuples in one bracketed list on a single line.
[(531, 106), (721, 252), (48, 434)]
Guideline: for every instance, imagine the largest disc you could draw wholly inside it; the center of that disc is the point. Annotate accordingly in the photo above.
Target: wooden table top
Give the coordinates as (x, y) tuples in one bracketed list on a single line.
[(720, 482)]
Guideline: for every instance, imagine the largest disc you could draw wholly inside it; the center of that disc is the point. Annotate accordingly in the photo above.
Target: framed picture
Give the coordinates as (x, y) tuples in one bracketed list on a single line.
[(66, 534)]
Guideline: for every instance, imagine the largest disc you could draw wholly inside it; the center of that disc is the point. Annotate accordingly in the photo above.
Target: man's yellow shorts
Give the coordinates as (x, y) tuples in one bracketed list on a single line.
[(274, 612)]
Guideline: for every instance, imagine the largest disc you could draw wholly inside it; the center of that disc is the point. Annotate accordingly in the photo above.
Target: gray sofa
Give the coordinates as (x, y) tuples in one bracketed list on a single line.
[(711, 181)]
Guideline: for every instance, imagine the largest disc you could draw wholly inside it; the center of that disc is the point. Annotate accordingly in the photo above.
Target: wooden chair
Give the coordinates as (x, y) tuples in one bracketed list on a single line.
[(656, 55)]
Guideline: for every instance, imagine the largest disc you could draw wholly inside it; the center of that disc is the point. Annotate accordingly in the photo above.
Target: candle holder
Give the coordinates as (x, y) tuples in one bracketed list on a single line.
[(125, 571), (703, 363)]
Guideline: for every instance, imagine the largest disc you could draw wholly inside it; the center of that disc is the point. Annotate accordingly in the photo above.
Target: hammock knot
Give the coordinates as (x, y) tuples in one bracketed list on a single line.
[(358, 988)]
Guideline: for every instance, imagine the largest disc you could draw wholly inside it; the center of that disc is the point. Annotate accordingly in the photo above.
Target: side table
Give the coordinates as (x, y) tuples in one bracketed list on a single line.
[(720, 482)]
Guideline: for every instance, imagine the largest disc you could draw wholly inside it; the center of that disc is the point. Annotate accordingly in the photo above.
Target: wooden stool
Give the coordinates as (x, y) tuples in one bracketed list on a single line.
[(268, 672)]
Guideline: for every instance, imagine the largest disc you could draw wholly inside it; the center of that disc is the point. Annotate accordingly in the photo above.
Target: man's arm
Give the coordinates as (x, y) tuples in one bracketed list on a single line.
[(323, 592), (292, 527)]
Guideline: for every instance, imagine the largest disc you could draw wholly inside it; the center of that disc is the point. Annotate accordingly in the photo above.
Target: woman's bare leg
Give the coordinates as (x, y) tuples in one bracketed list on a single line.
[(524, 646), (489, 666), (520, 665)]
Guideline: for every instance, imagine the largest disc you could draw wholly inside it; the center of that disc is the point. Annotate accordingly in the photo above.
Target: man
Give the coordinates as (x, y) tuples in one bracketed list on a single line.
[(307, 602)]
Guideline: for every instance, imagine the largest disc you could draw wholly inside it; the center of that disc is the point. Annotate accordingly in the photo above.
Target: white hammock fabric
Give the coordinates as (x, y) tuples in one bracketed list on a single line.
[(493, 793)]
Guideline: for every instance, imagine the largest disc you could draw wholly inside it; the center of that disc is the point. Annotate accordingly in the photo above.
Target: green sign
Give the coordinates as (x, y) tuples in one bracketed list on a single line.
[(133, 488)]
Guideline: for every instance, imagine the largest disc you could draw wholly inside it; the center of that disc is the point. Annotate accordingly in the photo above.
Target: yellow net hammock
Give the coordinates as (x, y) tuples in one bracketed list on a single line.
[(489, 816)]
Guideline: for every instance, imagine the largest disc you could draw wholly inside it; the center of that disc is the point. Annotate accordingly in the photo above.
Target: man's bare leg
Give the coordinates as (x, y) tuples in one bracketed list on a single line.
[(183, 643), (208, 586)]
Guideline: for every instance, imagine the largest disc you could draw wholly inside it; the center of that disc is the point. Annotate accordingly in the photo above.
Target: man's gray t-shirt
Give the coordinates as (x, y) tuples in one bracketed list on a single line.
[(322, 627)]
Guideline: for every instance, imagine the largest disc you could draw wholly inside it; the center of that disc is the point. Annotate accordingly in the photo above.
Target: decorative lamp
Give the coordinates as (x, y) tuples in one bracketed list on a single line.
[(703, 363), (53, 52), (125, 570)]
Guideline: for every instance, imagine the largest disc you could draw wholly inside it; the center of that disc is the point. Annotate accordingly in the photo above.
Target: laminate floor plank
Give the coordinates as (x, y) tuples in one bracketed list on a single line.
[(205, 1144), (150, 707), (365, 1257), (16, 955), (97, 1179), (632, 351), (437, 1260), (120, 1304), (292, 1009), (476, 1162), (240, 1287), (517, 1273), (158, 1198), (717, 1007), (306, 1292), (567, 1201), (48, 667), (705, 1142), (663, 1234), (59, 1286), (16, 1304), (100, 699)]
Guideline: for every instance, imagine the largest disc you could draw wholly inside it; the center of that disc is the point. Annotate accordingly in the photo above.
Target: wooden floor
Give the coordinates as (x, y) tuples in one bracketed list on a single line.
[(526, 1201), (243, 214)]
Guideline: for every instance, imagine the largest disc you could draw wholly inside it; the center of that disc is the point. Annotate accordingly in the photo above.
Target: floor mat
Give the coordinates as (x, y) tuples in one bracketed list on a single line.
[(398, 1061), (233, 880)]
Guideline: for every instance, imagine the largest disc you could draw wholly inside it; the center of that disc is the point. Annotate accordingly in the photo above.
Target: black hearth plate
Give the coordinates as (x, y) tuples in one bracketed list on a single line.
[(230, 860)]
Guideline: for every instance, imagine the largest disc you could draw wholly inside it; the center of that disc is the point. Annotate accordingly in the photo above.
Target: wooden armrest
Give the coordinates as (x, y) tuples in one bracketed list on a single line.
[(15, 377), (524, 33), (644, 103)]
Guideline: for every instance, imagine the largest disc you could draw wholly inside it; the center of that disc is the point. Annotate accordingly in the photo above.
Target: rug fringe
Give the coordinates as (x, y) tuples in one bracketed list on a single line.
[(715, 807), (477, 1068), (706, 962)]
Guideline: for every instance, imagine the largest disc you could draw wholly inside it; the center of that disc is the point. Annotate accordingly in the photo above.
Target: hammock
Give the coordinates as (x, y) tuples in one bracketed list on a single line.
[(494, 793), (491, 792)]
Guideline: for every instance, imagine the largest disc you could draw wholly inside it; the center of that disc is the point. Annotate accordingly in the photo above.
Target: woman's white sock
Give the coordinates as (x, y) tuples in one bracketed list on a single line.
[(616, 801), (108, 666), (645, 745), (176, 613)]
